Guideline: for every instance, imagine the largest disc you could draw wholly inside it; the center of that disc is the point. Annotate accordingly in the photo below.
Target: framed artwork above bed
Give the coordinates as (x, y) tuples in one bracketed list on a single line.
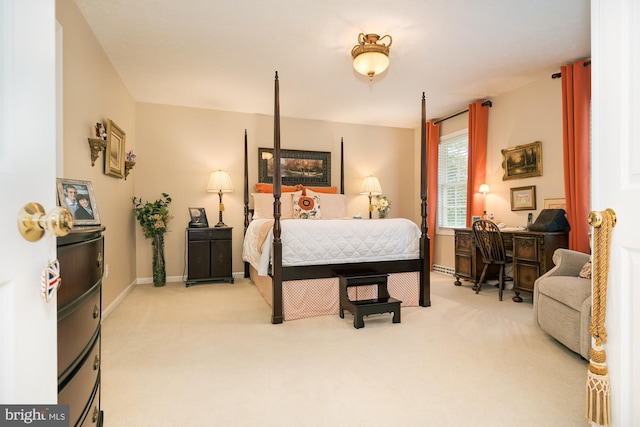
[(298, 167)]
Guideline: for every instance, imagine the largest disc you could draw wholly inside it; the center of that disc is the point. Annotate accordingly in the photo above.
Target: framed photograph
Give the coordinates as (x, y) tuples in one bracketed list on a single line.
[(297, 167), (522, 161), (114, 153), (78, 197), (523, 198), (555, 204), (198, 217)]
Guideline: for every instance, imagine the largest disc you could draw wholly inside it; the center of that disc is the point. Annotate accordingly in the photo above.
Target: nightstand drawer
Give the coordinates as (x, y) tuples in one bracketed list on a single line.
[(220, 233)]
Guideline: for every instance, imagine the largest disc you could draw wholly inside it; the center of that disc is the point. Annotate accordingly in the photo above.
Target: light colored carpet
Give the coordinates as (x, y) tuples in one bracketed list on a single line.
[(207, 356)]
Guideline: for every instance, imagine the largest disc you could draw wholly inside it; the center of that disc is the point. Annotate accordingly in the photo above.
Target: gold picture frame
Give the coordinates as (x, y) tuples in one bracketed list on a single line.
[(523, 198), (114, 152), (523, 161), (555, 204)]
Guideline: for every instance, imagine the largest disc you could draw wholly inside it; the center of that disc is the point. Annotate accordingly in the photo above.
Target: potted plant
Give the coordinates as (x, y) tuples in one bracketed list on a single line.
[(153, 218)]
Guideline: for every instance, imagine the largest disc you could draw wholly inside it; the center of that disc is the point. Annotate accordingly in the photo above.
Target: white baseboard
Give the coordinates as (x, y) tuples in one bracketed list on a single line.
[(107, 311)]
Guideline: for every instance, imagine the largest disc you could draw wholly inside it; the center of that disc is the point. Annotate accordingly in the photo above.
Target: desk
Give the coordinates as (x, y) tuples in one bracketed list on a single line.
[(532, 256)]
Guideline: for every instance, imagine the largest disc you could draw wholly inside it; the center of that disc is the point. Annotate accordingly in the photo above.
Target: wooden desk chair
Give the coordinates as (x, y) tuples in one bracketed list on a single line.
[(489, 240)]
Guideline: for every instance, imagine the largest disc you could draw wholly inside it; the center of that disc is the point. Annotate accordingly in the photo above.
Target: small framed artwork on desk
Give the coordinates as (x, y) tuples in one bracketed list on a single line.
[(523, 198), (198, 218)]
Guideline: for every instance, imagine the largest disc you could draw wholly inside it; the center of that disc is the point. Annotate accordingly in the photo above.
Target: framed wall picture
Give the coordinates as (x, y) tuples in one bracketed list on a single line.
[(555, 204), (297, 167), (523, 198), (522, 161), (114, 153), (198, 217), (78, 197)]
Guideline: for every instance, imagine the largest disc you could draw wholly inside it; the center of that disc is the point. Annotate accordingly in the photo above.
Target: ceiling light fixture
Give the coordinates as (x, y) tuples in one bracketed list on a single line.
[(369, 57)]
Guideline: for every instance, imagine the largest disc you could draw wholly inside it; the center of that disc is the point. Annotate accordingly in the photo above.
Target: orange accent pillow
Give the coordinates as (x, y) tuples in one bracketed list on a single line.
[(326, 190), (268, 188)]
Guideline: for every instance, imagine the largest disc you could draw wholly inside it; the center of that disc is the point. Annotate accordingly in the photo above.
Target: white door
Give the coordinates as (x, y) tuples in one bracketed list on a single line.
[(615, 35), (28, 355)]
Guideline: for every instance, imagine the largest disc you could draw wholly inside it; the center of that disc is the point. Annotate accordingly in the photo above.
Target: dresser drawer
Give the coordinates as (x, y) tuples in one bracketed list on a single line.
[(78, 391), (93, 415), (464, 242), (76, 329), (80, 269), (525, 248), (525, 274)]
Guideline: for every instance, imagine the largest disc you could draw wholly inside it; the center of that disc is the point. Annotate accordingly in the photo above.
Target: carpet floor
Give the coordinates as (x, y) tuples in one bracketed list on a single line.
[(207, 356)]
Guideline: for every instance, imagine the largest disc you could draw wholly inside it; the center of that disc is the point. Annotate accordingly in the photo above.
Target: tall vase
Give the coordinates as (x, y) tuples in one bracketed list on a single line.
[(159, 272)]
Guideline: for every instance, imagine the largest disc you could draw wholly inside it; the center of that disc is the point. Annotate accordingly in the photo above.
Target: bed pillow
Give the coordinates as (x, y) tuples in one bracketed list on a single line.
[(306, 207), (328, 190), (263, 205), (268, 188), (334, 206)]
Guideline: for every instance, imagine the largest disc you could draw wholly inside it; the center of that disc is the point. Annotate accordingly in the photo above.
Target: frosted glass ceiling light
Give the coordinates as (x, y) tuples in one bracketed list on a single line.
[(369, 57)]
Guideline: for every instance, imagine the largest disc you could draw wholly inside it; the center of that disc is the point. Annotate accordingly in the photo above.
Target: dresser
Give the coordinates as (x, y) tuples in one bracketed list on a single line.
[(81, 256), (532, 256), (209, 255)]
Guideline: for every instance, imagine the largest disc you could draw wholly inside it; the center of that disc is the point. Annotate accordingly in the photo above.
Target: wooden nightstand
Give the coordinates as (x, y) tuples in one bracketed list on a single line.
[(209, 255)]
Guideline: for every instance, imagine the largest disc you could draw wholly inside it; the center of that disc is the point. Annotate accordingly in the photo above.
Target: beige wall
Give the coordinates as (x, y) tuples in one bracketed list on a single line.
[(527, 114), (92, 92), (179, 147)]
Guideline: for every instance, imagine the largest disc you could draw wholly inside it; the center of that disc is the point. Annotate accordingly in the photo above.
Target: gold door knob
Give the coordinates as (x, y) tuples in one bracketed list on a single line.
[(33, 221)]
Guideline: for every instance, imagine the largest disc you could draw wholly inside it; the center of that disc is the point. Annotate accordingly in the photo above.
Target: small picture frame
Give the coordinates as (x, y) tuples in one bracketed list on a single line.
[(555, 204), (78, 197), (198, 217), (523, 198), (523, 161), (114, 153)]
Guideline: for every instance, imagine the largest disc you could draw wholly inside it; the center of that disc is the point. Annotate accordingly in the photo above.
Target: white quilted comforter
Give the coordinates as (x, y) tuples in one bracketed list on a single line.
[(317, 242)]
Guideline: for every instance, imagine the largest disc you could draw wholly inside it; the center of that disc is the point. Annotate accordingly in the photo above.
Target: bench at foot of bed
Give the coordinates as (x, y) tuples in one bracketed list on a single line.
[(383, 303)]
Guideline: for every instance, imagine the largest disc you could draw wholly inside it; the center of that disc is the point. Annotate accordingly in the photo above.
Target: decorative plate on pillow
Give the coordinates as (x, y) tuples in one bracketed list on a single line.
[(306, 207)]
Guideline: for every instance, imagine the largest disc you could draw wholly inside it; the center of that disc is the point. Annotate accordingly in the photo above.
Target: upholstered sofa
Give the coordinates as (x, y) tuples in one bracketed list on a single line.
[(562, 301)]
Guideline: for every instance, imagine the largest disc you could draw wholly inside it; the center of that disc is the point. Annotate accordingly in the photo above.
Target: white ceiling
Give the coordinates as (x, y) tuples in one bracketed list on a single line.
[(223, 54)]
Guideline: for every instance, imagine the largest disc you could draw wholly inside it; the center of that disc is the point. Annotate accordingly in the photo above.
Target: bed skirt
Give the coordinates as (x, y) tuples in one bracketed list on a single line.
[(321, 297)]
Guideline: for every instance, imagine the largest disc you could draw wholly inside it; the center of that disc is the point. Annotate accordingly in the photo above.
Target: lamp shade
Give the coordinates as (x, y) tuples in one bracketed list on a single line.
[(484, 188), (371, 186), (371, 63), (219, 182)]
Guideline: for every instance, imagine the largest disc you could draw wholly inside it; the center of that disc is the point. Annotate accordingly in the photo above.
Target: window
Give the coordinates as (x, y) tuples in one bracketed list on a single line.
[(453, 154)]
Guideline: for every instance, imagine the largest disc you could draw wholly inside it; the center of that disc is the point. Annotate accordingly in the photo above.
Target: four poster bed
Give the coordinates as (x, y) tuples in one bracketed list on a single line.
[(296, 264)]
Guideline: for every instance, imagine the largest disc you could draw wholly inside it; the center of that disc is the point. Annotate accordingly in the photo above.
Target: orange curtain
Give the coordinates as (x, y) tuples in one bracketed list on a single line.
[(478, 125), (433, 140), (576, 101)]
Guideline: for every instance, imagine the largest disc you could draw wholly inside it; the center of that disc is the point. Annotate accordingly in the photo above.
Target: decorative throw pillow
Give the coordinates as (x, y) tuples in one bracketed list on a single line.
[(306, 207), (585, 273)]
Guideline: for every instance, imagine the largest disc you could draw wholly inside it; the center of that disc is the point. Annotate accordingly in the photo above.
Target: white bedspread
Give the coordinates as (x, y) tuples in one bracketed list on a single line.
[(317, 242)]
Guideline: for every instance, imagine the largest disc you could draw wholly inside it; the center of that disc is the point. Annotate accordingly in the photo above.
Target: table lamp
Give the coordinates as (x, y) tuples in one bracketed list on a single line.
[(484, 189), (220, 182), (371, 187)]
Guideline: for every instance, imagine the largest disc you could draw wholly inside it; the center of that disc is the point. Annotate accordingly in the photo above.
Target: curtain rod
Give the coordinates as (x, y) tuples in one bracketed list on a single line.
[(558, 75), (450, 116)]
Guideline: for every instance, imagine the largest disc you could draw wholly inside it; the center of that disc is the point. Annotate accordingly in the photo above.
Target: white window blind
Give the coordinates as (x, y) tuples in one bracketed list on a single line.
[(452, 179)]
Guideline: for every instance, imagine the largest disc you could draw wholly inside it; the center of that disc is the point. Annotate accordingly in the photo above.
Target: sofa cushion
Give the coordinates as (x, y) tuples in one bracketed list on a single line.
[(571, 291)]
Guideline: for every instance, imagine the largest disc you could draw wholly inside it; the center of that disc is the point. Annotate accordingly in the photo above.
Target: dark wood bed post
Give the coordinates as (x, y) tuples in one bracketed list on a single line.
[(246, 195), (425, 255), (341, 165), (276, 278)]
